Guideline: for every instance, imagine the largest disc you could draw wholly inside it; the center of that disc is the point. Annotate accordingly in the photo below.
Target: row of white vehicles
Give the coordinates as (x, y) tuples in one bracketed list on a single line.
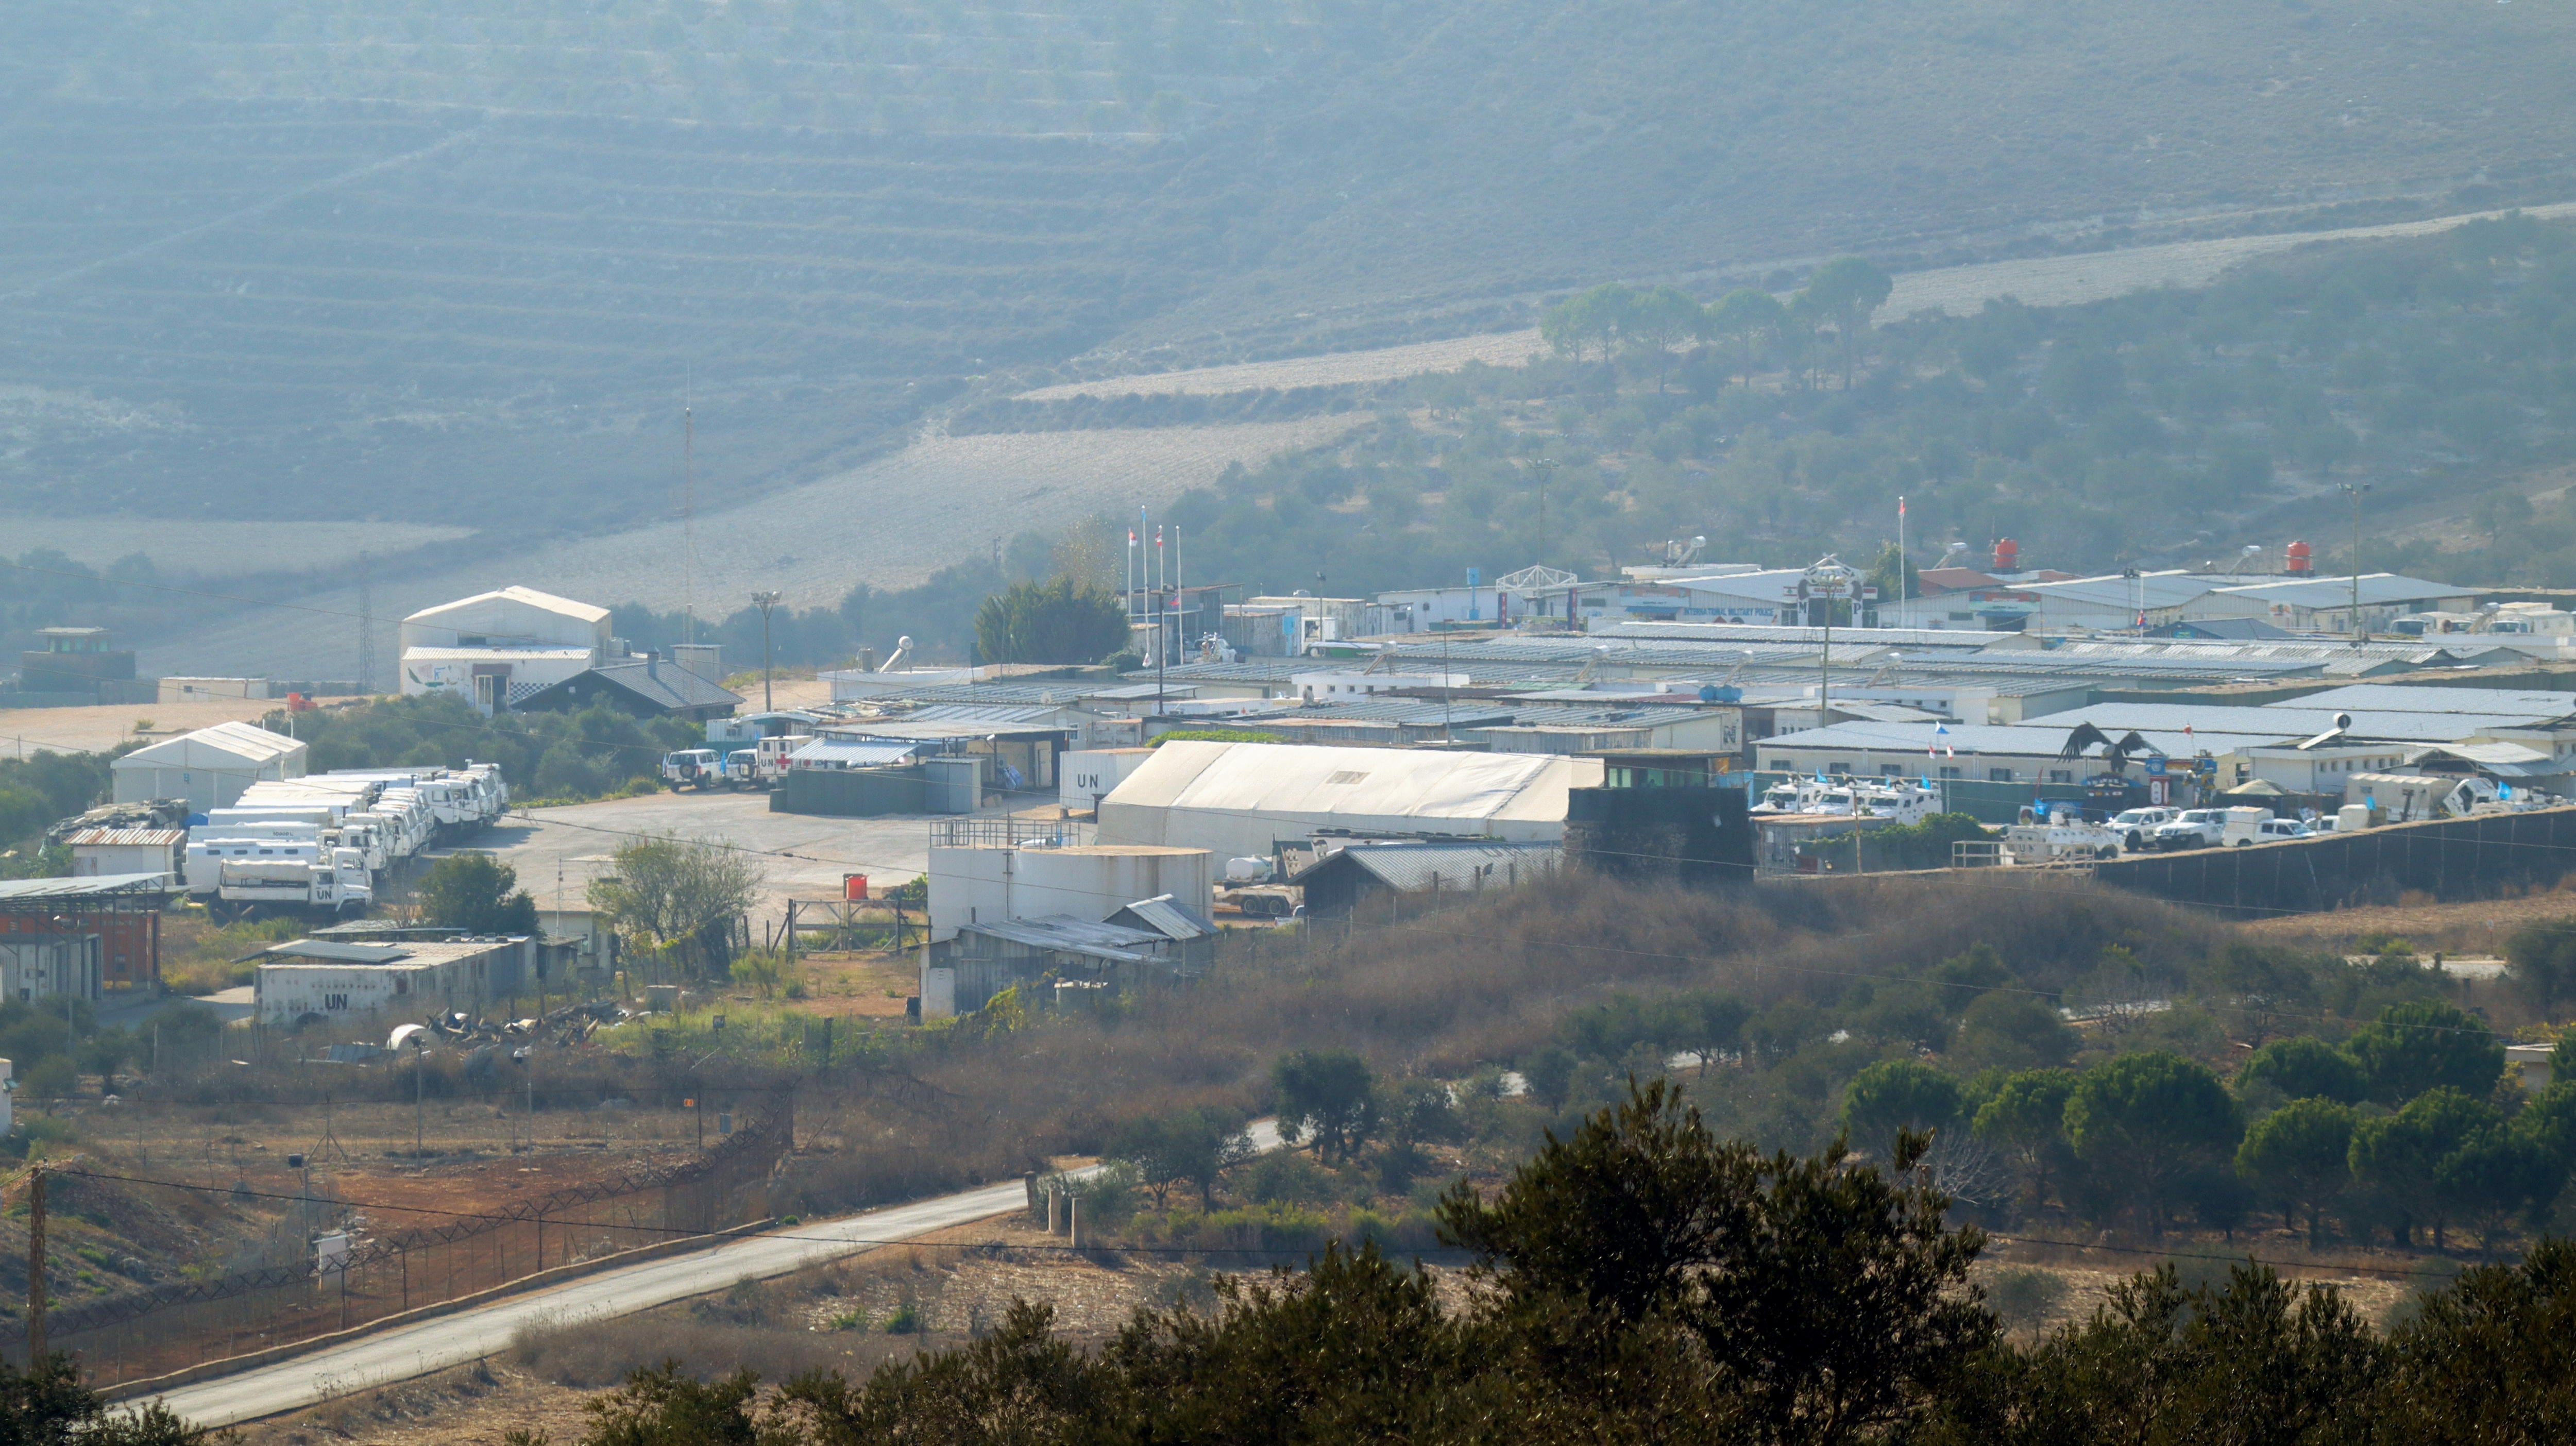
[(759, 766), (324, 841), (2380, 799), (1846, 796), (2067, 835)]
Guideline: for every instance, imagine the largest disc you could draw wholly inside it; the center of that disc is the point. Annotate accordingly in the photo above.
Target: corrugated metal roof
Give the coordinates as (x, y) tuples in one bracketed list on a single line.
[(1075, 936), (27, 891), (665, 685), (854, 753), (1416, 866), (127, 838), (2399, 698), (228, 741), (2151, 591), (1168, 917), (2378, 589), (2039, 739), (2298, 719), (1038, 713), (337, 952), (2511, 760)]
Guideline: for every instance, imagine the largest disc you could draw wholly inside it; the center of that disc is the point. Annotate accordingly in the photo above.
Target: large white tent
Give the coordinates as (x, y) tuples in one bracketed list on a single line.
[(1237, 799), (496, 647), (209, 767)]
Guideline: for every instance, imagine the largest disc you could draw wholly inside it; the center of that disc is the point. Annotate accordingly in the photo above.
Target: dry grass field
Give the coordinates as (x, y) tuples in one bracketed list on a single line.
[(889, 523), (2036, 280)]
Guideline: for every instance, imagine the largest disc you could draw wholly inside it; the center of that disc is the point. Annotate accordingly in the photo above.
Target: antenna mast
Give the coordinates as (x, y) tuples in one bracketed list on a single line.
[(366, 628)]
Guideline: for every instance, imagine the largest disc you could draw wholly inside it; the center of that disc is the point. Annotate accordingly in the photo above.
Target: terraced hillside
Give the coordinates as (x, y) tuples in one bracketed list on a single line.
[(458, 264), (352, 312)]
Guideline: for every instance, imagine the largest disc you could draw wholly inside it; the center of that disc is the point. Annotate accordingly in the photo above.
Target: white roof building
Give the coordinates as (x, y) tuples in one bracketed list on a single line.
[(209, 768), (1237, 799), (495, 647)]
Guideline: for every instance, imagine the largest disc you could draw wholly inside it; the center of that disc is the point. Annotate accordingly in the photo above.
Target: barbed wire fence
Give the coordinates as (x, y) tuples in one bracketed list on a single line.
[(139, 1334)]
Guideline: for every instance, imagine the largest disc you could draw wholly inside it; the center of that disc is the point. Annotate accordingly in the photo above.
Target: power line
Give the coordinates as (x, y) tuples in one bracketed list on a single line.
[(239, 1191)]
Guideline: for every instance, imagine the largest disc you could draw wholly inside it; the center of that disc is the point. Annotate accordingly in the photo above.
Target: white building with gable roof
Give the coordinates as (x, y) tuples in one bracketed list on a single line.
[(496, 647), (209, 767)]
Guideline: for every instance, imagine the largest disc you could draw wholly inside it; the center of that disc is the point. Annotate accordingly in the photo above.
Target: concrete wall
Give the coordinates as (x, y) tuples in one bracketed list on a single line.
[(2452, 860), (1090, 882)]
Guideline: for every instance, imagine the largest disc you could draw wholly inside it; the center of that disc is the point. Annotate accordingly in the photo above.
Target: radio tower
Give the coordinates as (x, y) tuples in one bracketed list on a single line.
[(689, 516), (366, 628)]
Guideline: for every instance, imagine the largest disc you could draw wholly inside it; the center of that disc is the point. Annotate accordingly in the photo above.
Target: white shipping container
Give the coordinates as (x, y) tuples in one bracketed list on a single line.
[(1085, 777)]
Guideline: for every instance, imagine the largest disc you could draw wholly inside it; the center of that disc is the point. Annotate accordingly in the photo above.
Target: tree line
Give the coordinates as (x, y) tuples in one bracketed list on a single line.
[(1641, 1279)]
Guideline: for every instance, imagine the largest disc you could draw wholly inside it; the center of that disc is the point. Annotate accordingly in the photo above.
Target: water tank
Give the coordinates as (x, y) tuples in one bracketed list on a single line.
[(854, 886), (2300, 560), (2007, 555)]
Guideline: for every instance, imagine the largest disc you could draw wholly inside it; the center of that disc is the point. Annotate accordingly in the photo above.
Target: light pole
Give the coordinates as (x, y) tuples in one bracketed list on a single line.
[(1827, 580), (2354, 491), (765, 601)]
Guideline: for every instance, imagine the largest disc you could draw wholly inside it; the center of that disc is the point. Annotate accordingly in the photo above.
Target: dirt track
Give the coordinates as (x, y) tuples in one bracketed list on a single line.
[(2038, 280)]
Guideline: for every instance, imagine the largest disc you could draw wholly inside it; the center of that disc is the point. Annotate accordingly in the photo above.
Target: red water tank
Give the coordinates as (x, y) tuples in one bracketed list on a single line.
[(854, 886), (2299, 563), (2007, 554)]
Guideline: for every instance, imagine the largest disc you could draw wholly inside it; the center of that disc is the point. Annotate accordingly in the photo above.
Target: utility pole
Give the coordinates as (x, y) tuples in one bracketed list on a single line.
[(1545, 467), (419, 1068), (765, 601), (366, 628), (2360, 634), (689, 513), (35, 1266)]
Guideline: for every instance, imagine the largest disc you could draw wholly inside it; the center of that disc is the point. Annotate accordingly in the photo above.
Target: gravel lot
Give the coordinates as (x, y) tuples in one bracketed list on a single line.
[(578, 839)]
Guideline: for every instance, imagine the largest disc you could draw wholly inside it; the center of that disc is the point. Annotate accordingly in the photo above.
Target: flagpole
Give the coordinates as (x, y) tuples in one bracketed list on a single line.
[(1900, 559)]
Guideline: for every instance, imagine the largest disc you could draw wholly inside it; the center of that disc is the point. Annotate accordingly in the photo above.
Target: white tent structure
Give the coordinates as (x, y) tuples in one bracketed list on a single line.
[(495, 647), (1237, 799), (210, 767)]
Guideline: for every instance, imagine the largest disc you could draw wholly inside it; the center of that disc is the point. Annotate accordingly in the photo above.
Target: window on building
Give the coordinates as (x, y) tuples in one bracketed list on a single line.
[(1954, 773), (1838, 768), (2061, 775), (1891, 770), (1999, 775)]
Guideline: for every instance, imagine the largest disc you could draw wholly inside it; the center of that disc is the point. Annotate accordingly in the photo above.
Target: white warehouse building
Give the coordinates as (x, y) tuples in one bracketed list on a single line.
[(1237, 799), (496, 647), (210, 767)]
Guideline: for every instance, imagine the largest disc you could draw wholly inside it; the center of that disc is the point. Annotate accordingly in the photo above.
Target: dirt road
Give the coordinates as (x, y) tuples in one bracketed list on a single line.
[(435, 1345)]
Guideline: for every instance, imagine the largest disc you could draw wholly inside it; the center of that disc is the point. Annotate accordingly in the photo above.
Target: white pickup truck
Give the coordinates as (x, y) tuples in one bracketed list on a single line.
[(2193, 828), (2137, 826)]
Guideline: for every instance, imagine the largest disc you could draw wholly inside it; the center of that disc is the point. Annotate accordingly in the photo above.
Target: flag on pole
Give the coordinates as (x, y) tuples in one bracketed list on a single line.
[(1900, 504), (1933, 748)]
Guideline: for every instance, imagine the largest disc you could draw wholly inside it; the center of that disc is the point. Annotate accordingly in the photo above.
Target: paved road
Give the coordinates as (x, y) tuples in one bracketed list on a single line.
[(435, 1345)]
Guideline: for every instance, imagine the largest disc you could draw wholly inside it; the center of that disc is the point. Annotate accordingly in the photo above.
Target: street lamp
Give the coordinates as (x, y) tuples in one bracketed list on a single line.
[(1828, 580), (765, 601), (2354, 491)]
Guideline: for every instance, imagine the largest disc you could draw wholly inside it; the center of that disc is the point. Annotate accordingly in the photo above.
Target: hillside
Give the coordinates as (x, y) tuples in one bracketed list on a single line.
[(360, 261)]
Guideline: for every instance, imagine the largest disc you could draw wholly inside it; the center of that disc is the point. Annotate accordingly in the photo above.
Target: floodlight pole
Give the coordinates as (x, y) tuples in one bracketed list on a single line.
[(2360, 634), (765, 601)]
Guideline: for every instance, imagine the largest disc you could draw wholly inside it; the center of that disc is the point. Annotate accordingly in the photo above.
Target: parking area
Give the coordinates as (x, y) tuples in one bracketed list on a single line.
[(558, 851)]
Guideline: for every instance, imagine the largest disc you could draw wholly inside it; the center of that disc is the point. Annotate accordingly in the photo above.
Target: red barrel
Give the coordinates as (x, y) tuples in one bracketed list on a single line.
[(854, 886), (2007, 554), (2300, 559)]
